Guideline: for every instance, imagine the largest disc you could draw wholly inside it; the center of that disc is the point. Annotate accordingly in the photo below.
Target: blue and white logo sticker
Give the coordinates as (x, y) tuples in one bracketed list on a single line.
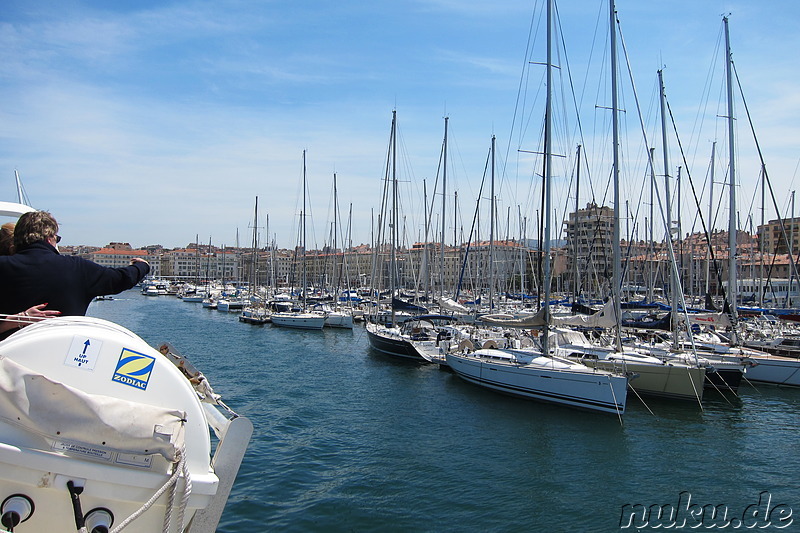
[(134, 369)]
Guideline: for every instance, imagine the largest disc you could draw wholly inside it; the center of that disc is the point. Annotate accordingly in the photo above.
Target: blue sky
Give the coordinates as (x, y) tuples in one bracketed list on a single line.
[(153, 122)]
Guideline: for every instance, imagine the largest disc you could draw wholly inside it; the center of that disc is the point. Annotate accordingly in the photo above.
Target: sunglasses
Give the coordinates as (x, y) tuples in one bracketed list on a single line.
[(58, 239)]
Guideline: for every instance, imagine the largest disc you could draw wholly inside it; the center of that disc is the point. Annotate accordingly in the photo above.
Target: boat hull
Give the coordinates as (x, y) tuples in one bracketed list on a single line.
[(774, 370), (391, 344), (339, 320), (724, 379), (298, 320), (590, 390), (679, 382)]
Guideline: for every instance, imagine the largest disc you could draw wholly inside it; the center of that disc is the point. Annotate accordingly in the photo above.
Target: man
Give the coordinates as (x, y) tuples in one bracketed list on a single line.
[(37, 273)]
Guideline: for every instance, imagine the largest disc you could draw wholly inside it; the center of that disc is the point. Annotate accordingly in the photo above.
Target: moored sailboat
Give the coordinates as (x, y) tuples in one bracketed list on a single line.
[(540, 374), (302, 318)]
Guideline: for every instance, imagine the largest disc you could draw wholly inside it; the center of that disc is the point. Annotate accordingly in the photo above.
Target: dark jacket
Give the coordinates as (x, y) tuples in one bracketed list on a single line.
[(38, 274)]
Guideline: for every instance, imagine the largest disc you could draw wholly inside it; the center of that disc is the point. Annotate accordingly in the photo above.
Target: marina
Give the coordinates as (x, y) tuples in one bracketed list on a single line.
[(349, 439), (492, 356)]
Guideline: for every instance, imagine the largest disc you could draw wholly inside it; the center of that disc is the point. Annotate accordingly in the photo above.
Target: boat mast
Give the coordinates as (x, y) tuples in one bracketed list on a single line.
[(673, 281), (548, 156), (303, 226), (575, 229), (761, 241), (336, 279), (393, 252), (491, 235), (732, 280), (444, 206), (254, 262), (651, 248), (426, 281), (617, 256), (711, 212)]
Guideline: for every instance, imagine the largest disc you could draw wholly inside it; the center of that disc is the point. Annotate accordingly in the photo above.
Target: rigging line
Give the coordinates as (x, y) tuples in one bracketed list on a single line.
[(793, 264), (712, 255), (472, 228), (520, 100), (579, 123), (670, 249), (636, 101), (702, 110), (702, 194)]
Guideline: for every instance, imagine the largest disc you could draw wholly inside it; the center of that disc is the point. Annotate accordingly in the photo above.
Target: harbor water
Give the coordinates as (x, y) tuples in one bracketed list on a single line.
[(349, 440)]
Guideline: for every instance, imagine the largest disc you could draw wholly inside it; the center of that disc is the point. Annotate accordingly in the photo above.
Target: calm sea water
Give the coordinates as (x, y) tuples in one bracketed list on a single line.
[(348, 440)]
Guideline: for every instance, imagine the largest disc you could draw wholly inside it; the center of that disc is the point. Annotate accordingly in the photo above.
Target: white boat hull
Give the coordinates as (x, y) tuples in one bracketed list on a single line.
[(587, 390), (299, 320), (775, 370), (339, 320)]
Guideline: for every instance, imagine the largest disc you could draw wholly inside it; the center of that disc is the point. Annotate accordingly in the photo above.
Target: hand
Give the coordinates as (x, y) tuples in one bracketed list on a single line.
[(137, 260), (39, 312)]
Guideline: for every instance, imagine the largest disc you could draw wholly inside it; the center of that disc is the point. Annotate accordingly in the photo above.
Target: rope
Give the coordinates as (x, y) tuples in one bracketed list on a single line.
[(187, 491), (179, 468), (639, 396)]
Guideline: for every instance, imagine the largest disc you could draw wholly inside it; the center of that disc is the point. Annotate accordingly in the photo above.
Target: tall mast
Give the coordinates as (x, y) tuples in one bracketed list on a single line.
[(575, 227), (491, 235), (393, 252), (548, 156), (303, 224), (425, 250), (761, 240), (673, 281), (444, 206), (650, 246), (732, 280), (254, 265), (711, 212), (336, 279), (617, 257)]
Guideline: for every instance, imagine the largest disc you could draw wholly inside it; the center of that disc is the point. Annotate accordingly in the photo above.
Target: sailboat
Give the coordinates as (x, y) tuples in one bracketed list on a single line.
[(256, 311), (301, 318), (765, 367), (338, 315), (393, 338), (542, 374)]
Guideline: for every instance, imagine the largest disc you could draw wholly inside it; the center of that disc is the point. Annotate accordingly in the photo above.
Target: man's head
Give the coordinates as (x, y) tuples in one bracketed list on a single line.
[(35, 226)]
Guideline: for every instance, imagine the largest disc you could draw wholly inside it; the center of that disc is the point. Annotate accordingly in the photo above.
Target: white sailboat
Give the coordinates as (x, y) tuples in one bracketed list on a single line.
[(302, 319), (541, 374), (768, 368)]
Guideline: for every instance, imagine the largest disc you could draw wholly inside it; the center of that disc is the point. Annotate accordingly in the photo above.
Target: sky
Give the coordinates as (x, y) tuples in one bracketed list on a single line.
[(160, 122)]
